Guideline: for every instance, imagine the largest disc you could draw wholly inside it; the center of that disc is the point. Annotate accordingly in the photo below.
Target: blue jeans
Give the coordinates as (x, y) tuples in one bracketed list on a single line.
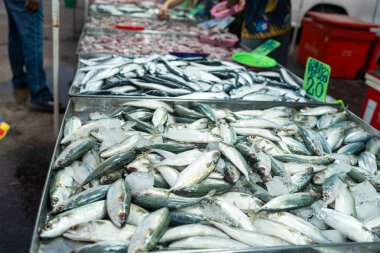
[(25, 49)]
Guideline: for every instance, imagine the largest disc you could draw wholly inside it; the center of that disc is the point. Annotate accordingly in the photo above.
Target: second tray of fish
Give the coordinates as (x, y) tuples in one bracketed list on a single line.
[(182, 78)]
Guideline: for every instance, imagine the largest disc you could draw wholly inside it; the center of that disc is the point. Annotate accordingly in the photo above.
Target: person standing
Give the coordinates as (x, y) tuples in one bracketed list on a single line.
[(263, 20), (25, 49)]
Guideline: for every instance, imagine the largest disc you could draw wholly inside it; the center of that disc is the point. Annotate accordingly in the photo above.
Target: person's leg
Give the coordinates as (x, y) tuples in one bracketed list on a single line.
[(15, 52), (252, 43), (30, 27), (281, 54)]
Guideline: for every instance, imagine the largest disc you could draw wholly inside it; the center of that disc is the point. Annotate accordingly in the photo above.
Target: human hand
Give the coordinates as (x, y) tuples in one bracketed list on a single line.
[(163, 13), (32, 5), (241, 5)]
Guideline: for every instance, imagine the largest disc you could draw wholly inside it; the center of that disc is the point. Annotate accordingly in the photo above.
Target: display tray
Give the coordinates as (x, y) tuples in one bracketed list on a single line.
[(149, 34), (88, 30), (83, 106), (145, 10), (77, 88), (147, 43)]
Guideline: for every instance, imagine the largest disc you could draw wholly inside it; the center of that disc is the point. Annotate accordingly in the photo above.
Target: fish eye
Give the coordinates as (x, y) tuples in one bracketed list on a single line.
[(122, 216), (75, 227), (55, 200), (48, 226)]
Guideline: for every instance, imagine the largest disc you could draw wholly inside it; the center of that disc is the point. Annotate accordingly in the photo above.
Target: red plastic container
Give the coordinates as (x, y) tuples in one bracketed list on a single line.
[(372, 63), (338, 40), (371, 108)]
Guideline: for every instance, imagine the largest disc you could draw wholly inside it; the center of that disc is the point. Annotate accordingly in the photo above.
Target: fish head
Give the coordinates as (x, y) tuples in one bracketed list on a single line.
[(53, 228), (57, 209), (319, 178)]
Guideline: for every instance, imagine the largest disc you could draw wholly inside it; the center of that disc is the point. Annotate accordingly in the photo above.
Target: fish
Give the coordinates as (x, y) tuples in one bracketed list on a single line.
[(234, 156), (250, 238), (184, 231), (62, 222), (149, 231), (98, 231), (104, 246), (177, 77), (290, 201), (74, 151), (347, 225), (208, 242), (296, 176), (197, 170), (300, 225), (282, 231), (118, 202), (82, 198)]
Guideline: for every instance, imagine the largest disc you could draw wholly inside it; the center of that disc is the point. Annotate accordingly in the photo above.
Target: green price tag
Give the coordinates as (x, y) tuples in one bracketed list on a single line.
[(267, 47), (184, 4), (340, 102), (317, 77), (197, 9)]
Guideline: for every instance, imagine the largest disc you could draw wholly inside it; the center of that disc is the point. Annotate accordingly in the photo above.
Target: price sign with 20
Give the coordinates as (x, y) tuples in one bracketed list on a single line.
[(317, 77)]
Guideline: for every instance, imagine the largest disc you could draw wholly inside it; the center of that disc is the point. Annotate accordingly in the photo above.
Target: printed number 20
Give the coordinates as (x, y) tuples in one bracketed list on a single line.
[(316, 91)]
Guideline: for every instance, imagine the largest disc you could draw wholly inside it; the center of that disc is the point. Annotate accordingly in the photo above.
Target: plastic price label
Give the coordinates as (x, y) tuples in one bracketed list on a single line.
[(267, 47), (317, 77), (340, 102), (224, 23), (196, 9)]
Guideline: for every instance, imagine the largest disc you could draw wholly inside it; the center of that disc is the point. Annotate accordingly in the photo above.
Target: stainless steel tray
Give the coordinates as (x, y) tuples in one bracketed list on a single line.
[(74, 91), (92, 12), (81, 107), (91, 31)]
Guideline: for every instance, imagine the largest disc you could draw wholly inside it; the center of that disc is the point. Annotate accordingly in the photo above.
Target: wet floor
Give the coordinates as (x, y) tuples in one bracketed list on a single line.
[(24, 158)]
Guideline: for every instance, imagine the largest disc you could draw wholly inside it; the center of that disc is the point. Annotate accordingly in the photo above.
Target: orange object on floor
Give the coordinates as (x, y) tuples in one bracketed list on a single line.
[(4, 127)]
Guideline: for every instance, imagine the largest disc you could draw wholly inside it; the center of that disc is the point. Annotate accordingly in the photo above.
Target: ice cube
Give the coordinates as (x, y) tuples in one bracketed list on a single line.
[(305, 213), (140, 180), (240, 186), (220, 166), (317, 205), (97, 115), (110, 123), (364, 192), (278, 186), (334, 236), (142, 142), (317, 222), (367, 210), (213, 146), (255, 177), (128, 125)]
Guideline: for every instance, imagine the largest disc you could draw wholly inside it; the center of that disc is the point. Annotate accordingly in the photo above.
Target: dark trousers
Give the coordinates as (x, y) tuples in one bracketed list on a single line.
[(25, 49), (280, 54)]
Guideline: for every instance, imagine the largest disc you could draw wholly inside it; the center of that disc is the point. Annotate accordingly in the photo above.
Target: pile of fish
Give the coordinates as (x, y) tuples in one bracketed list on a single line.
[(153, 175), (187, 78), (141, 2), (148, 44), (170, 26), (141, 11)]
